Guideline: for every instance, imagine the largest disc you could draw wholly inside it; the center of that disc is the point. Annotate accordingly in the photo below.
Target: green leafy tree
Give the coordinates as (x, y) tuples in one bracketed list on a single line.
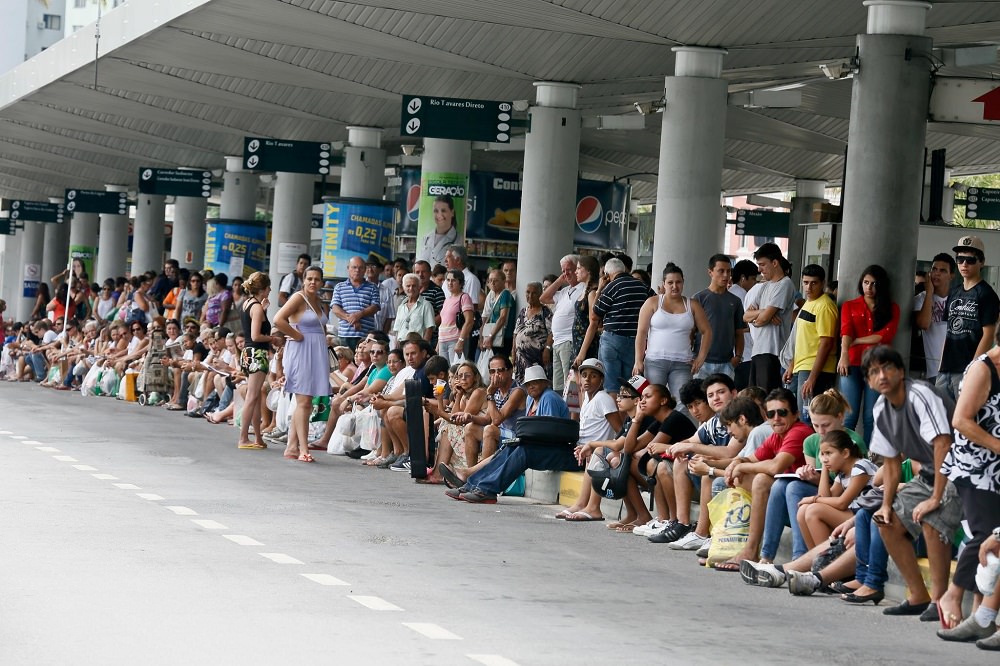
[(990, 180)]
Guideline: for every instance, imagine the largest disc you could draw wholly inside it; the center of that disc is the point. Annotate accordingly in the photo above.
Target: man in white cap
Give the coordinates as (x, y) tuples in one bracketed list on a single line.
[(495, 475), (972, 311)]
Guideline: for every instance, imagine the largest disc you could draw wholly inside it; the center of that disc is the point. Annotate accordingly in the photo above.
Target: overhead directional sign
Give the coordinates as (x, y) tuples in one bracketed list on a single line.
[(982, 204), (175, 182), (965, 101), (260, 154), (753, 222), (35, 211), (6, 228), (96, 201), (456, 118)]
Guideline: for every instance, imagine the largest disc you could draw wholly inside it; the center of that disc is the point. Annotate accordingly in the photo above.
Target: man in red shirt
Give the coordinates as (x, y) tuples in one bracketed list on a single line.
[(781, 453)]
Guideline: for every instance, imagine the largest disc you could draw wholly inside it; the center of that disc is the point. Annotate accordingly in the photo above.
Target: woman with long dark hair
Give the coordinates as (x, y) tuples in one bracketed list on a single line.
[(866, 321)]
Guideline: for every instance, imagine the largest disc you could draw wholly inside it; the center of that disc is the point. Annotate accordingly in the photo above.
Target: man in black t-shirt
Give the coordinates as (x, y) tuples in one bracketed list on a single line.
[(972, 311)]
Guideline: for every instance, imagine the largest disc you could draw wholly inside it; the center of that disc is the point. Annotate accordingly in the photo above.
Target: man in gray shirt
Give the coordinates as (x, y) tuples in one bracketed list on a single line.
[(725, 314), (771, 316)]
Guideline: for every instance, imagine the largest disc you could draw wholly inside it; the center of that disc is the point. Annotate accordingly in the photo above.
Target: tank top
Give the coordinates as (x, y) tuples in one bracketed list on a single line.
[(265, 326), (669, 336)]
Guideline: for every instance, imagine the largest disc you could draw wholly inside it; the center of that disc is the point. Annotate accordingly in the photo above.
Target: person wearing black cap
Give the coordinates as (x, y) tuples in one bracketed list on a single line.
[(972, 311)]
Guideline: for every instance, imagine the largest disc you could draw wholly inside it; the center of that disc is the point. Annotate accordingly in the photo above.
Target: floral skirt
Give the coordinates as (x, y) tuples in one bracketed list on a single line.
[(253, 360)]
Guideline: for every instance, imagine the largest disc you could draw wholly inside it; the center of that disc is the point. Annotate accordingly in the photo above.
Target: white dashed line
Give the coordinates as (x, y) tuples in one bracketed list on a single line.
[(491, 660), (5, 432), (182, 510), (325, 579), (152, 497), (432, 631), (31, 442), (209, 524), (18, 437), (85, 468), (375, 603), (242, 540), (48, 449), (105, 477), (126, 486), (65, 458), (281, 558)]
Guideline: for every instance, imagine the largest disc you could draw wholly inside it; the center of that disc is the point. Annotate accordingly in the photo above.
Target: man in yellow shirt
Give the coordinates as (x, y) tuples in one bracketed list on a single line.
[(814, 365)]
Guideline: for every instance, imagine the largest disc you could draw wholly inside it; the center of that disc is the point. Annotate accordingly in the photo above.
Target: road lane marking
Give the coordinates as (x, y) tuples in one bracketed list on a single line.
[(491, 660), (6, 432), (209, 524), (281, 558), (65, 458), (325, 579), (48, 449), (374, 603), (18, 437), (242, 540), (126, 486), (152, 497), (105, 477), (31, 442), (85, 468), (182, 510), (432, 631)]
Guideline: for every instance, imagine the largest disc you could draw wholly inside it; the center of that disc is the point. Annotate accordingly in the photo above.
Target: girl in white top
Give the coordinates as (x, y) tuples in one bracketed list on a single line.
[(663, 352)]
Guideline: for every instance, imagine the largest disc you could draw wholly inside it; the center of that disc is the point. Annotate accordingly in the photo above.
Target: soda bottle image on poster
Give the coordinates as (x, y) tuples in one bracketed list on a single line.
[(442, 214)]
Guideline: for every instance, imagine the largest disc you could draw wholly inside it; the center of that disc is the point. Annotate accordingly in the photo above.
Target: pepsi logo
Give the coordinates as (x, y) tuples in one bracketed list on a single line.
[(589, 214), (413, 203)]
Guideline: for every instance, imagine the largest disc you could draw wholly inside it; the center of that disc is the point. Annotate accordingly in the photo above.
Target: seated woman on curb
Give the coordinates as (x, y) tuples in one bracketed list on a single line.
[(461, 423)]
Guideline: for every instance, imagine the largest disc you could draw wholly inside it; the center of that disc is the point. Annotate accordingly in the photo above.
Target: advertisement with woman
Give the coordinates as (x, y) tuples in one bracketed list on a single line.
[(442, 214)]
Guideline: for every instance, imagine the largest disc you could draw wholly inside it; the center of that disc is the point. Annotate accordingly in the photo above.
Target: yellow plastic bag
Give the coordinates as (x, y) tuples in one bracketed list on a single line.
[(730, 514)]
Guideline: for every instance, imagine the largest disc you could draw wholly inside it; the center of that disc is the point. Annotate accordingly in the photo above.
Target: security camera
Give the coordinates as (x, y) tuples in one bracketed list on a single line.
[(408, 148)]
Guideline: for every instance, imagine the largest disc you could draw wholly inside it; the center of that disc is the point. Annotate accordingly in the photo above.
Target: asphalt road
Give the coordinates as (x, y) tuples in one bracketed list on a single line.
[(133, 535)]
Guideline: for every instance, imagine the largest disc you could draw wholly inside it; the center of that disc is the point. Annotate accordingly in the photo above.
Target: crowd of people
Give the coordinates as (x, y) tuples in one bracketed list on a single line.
[(754, 386)]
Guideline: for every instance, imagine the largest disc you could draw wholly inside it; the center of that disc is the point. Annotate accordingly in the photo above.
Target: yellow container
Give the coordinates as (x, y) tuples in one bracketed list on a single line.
[(130, 392)]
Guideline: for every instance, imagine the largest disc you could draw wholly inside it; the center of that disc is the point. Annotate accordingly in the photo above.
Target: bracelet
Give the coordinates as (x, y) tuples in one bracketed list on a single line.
[(461, 339)]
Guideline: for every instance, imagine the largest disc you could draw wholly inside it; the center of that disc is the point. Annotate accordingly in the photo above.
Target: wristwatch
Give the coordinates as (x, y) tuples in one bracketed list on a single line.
[(711, 472), (996, 532)]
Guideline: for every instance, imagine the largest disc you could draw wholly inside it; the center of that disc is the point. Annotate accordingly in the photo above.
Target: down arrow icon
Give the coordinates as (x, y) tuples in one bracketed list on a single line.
[(413, 125)]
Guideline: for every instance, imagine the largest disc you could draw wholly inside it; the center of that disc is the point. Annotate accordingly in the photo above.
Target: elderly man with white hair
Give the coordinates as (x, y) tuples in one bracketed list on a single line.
[(617, 308), (563, 294), (415, 314)]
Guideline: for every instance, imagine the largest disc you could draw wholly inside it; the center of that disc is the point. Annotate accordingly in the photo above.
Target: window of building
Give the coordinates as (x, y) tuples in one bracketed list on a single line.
[(79, 3), (52, 21)]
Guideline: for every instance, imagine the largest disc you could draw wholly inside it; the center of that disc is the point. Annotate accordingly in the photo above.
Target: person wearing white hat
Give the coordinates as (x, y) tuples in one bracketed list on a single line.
[(972, 311)]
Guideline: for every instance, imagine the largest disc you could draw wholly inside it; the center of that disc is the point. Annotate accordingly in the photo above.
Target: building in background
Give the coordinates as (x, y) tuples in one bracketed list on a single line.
[(84, 12), (29, 27)]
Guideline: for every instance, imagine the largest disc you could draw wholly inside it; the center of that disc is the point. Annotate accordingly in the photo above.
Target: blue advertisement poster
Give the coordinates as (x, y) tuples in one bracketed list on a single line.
[(493, 209), (356, 228), (236, 247)]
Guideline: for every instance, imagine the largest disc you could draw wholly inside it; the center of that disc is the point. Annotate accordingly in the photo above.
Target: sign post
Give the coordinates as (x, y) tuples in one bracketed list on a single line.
[(456, 118), (762, 223), (36, 211), (261, 154), (175, 182), (982, 203), (96, 201)]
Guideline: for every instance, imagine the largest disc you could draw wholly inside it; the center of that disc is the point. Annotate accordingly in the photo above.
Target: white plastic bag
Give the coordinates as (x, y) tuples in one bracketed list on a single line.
[(344, 438), (90, 380)]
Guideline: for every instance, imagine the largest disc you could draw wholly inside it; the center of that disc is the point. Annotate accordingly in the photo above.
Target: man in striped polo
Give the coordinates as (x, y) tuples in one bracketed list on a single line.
[(355, 302), (618, 307)]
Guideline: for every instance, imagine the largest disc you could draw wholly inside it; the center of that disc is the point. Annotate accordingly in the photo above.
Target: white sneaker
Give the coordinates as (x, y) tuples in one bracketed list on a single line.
[(761, 575), (689, 541), (650, 528)]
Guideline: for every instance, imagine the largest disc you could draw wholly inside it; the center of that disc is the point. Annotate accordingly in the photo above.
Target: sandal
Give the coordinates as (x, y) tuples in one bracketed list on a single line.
[(305, 457), (252, 445), (625, 529), (374, 462)]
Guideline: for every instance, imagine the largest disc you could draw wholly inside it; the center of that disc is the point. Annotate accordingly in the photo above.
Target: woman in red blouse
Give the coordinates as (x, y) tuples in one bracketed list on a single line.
[(866, 321)]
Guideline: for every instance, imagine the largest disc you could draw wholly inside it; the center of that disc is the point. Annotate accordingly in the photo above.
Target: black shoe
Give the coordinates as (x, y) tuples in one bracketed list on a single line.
[(931, 614), (875, 597), (357, 454), (671, 534), (906, 608)]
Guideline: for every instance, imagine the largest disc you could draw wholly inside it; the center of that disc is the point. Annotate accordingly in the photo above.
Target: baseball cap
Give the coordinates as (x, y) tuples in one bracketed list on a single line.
[(534, 373), (970, 243), (593, 364), (633, 386)]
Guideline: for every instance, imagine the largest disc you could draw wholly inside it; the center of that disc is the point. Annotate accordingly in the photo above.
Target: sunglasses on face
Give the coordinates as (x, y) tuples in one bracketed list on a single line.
[(771, 413), (966, 259)]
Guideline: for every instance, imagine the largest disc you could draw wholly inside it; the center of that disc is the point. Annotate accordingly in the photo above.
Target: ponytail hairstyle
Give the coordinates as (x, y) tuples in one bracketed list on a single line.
[(671, 267), (841, 441), (829, 403), (256, 283), (664, 392)]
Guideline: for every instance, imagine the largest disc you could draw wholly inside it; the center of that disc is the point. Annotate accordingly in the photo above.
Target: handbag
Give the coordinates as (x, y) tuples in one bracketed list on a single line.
[(609, 482), (321, 408)]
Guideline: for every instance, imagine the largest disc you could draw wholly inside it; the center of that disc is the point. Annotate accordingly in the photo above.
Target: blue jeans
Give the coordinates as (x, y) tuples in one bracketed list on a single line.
[(782, 507), (672, 374), (826, 380), (37, 362), (861, 398), (617, 353), (716, 369), (872, 557), (510, 463)]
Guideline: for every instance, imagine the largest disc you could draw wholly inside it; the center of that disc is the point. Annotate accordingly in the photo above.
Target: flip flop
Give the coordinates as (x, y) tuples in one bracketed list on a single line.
[(564, 514), (306, 458), (729, 566), (582, 517), (952, 620), (252, 446), (625, 529), (614, 525), (292, 456)]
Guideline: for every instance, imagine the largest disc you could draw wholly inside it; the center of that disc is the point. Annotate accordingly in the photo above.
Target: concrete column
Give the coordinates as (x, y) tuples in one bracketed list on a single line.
[(239, 191), (32, 249), (885, 155), (10, 270), (292, 220), (55, 256), (83, 229), (548, 186), (807, 194), (687, 228), (148, 233), (187, 245), (364, 164), (441, 156), (112, 260)]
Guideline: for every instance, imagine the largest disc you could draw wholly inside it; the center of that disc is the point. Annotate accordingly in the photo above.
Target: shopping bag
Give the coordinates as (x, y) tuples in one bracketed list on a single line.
[(90, 381), (344, 438), (730, 514), (368, 428), (571, 392), (321, 408)]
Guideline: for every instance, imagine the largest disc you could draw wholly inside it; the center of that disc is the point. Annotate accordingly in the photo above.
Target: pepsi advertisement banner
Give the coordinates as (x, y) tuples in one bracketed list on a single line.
[(493, 209), (356, 228), (236, 247)]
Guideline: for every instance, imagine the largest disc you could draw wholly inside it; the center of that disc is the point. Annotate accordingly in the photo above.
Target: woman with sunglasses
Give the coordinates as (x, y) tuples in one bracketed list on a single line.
[(192, 299)]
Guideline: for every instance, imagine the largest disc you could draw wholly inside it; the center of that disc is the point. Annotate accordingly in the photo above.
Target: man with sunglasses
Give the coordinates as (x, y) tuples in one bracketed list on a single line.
[(972, 311), (781, 453)]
